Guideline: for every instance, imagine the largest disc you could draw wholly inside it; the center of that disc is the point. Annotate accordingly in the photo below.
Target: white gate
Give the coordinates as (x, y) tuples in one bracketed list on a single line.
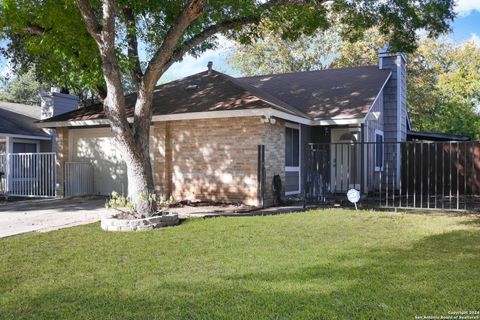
[(28, 174), (78, 179)]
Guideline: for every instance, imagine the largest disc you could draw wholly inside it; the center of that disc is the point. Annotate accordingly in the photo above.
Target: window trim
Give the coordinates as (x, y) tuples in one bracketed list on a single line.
[(298, 168), (379, 133), (36, 143)]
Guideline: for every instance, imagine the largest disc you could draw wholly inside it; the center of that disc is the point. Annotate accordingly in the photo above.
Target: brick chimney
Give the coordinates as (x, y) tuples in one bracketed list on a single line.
[(209, 66)]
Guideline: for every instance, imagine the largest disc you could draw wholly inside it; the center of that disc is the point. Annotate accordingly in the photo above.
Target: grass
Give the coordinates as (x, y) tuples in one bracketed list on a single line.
[(328, 264)]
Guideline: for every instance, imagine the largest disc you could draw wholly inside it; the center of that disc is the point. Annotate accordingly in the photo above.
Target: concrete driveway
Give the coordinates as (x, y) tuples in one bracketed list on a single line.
[(49, 214)]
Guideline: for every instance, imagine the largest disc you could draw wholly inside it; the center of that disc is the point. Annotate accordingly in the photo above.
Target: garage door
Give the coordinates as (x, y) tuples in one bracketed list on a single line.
[(97, 146)]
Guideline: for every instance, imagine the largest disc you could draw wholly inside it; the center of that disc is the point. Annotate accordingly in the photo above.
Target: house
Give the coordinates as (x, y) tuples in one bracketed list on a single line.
[(19, 132), (24, 145), (207, 130)]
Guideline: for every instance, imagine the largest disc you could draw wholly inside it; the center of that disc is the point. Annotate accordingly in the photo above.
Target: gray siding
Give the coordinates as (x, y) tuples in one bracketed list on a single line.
[(395, 109)]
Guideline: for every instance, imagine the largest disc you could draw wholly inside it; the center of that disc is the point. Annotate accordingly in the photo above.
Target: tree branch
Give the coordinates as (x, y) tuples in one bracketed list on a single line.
[(210, 31), (104, 36), (190, 13), (132, 51), (93, 27), (34, 29), (108, 30)]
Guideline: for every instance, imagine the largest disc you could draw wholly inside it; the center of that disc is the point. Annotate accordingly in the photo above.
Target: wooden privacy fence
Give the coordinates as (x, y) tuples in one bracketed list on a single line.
[(28, 174), (409, 175), (437, 175), (78, 179)]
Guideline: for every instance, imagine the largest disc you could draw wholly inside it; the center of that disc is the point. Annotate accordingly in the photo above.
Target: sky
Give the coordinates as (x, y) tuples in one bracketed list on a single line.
[(465, 27)]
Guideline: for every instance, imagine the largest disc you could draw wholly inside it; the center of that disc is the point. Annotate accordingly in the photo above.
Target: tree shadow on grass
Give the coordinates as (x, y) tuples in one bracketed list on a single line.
[(432, 276)]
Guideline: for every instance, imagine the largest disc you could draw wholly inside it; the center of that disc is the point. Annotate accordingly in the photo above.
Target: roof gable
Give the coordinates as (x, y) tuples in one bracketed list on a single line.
[(345, 93), (32, 111), (18, 124)]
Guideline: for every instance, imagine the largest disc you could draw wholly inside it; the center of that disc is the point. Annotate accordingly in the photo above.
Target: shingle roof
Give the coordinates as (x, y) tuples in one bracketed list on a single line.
[(16, 123), (24, 109), (335, 93), (345, 93), (200, 92)]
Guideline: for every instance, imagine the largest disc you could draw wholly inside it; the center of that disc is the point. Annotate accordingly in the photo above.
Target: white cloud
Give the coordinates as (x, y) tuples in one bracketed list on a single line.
[(475, 39), (465, 7)]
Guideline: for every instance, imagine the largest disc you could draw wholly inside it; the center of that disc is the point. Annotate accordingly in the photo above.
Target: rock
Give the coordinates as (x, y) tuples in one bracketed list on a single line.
[(115, 224)]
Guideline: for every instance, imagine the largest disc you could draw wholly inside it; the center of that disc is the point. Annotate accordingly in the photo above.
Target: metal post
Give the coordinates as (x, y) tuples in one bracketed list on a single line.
[(436, 174), (408, 170), (421, 174), (335, 160), (450, 172), (261, 175), (458, 176), (428, 177), (386, 187), (414, 175), (400, 177), (362, 160)]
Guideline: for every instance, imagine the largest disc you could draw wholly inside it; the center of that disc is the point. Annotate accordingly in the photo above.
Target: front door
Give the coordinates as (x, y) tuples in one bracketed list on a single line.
[(343, 155)]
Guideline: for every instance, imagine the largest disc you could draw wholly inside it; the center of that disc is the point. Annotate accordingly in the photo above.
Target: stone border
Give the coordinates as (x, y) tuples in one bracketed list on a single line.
[(114, 224)]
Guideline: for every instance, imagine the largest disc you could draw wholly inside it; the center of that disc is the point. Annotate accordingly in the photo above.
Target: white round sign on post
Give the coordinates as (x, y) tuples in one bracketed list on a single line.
[(353, 195)]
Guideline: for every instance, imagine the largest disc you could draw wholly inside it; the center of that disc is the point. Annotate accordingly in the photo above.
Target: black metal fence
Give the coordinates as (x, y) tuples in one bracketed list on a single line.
[(407, 175)]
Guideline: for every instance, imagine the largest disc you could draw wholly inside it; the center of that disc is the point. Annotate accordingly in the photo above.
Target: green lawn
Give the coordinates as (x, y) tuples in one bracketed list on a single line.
[(327, 264)]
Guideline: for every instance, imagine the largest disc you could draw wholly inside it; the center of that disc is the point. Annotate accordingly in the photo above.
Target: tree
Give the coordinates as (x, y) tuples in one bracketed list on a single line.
[(95, 43), (24, 88), (444, 87), (443, 77), (272, 54)]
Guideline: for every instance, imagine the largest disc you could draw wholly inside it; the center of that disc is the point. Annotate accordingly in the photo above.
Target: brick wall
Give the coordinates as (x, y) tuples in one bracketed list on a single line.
[(274, 140), (216, 159), (208, 159)]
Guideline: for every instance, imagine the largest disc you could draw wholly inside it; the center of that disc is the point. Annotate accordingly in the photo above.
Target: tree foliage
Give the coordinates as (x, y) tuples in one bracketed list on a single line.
[(444, 87), (24, 89), (52, 34), (272, 54), (443, 77)]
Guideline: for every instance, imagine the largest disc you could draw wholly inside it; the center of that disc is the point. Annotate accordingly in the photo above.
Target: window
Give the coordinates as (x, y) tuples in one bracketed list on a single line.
[(292, 159), (19, 147), (292, 147), (379, 150)]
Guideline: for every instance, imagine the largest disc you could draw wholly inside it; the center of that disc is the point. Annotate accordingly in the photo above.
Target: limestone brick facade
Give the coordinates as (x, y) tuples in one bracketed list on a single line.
[(216, 159), (207, 159)]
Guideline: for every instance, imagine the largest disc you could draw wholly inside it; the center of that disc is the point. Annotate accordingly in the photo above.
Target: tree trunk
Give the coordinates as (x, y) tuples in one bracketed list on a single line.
[(133, 142), (136, 153), (140, 182)]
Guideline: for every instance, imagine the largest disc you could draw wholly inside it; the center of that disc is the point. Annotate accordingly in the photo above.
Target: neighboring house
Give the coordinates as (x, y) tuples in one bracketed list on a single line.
[(27, 159), (19, 132), (207, 127)]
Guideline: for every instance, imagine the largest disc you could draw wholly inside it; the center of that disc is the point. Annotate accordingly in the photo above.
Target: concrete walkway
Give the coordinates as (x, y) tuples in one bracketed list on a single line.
[(52, 214), (49, 214)]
